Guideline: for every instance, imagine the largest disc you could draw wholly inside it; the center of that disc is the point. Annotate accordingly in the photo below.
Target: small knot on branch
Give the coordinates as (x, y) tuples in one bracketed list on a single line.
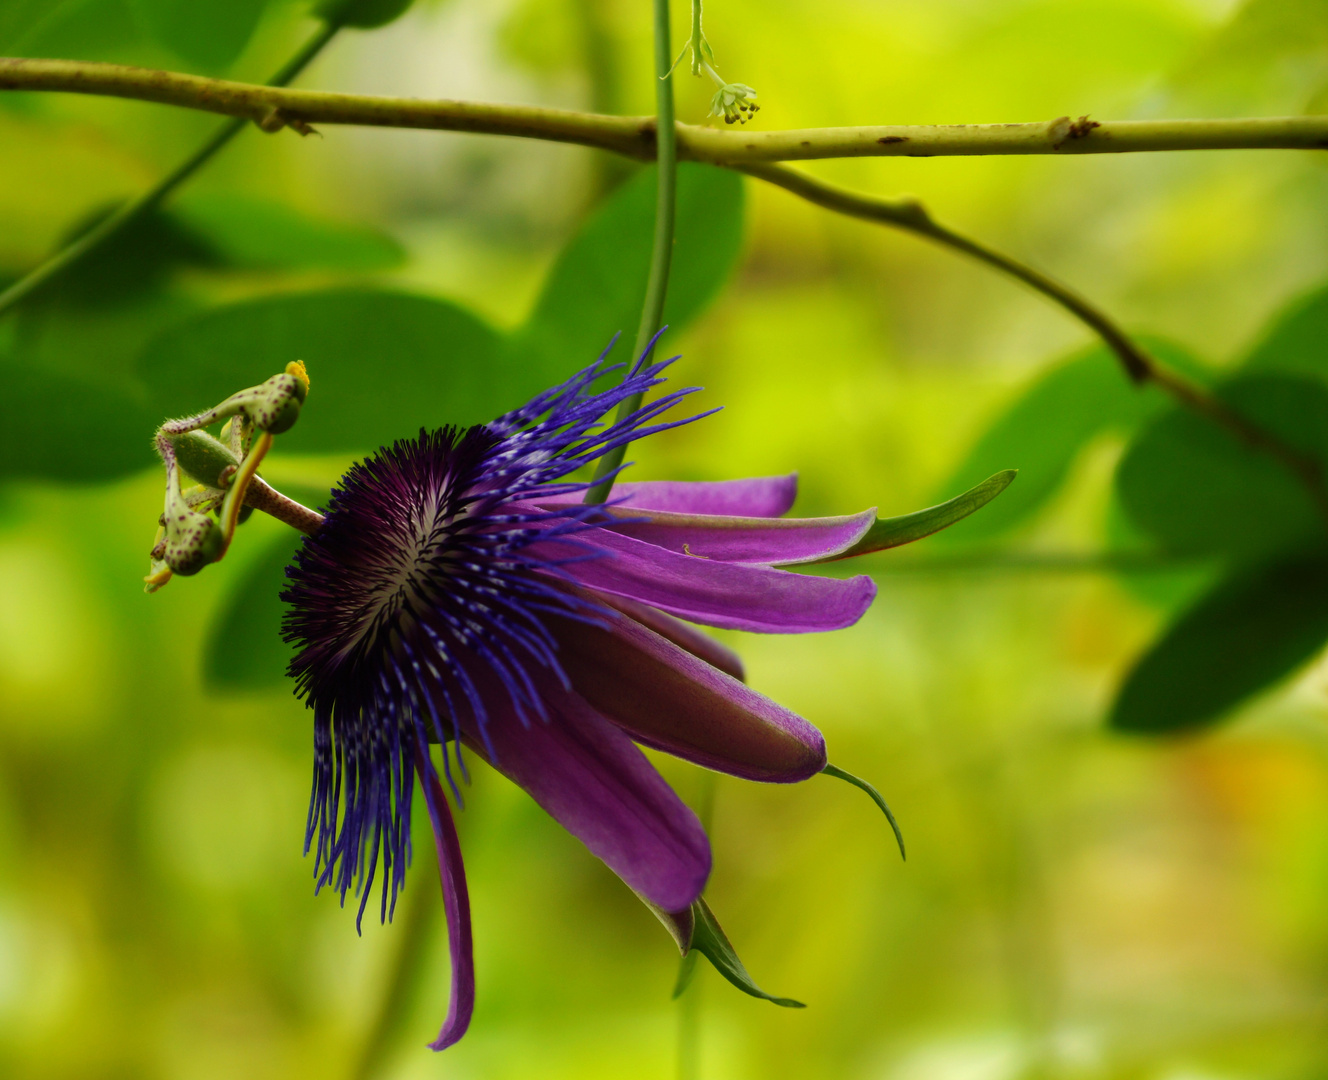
[(277, 118), (1063, 130)]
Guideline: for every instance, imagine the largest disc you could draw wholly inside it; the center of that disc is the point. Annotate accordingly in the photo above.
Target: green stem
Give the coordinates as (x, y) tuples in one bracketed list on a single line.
[(1139, 365), (635, 136), (689, 1000), (135, 208), (661, 255), (421, 903), (696, 37)]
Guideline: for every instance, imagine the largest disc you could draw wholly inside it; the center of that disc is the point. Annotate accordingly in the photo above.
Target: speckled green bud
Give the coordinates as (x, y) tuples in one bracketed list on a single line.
[(192, 539), (203, 458), (275, 404)]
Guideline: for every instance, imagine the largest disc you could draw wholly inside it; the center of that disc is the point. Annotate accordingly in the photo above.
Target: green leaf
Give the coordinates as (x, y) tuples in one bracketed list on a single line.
[(1044, 429), (1252, 629), (206, 33), (68, 29), (708, 938), (20, 19), (597, 285), (364, 14), (894, 531), (1297, 339), (263, 234), (57, 426), (244, 650), (381, 364), (1198, 490), (137, 260)]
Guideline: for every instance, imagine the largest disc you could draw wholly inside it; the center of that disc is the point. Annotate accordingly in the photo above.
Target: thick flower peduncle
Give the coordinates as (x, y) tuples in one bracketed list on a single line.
[(735, 102), (197, 525)]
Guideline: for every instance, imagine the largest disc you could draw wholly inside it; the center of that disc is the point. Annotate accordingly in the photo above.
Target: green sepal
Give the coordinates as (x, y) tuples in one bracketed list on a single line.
[(709, 940), (858, 782), (362, 14), (892, 532), (203, 458)]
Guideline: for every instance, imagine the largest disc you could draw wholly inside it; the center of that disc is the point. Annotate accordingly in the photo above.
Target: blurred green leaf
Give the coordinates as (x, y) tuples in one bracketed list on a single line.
[(1259, 60), (1171, 588), (96, 316), (57, 426), (244, 650), (364, 14), (134, 261), (69, 29), (1196, 489), (1296, 339), (382, 364), (1251, 630), (597, 285), (101, 342), (260, 233), (206, 33), (1043, 430), (20, 18)]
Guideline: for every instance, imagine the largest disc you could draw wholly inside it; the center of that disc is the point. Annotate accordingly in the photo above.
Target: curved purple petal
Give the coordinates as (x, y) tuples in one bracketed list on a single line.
[(769, 541), (757, 496), (598, 785), (681, 634), (735, 596), (665, 697), (456, 904)]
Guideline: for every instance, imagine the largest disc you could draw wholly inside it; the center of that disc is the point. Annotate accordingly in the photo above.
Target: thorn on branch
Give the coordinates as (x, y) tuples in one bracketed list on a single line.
[(277, 118)]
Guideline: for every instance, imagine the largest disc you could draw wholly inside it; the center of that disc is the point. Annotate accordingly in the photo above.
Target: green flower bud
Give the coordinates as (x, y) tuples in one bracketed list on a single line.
[(275, 404), (204, 458), (192, 540)]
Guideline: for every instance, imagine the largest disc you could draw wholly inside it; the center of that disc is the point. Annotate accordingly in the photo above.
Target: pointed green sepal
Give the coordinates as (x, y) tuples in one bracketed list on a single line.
[(858, 782), (892, 532), (708, 938)]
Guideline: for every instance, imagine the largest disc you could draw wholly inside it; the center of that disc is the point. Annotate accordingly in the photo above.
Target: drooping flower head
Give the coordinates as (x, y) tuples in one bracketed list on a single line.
[(460, 592)]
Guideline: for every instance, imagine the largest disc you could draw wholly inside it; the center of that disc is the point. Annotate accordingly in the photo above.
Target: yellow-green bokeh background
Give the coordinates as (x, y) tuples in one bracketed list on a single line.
[(1075, 904)]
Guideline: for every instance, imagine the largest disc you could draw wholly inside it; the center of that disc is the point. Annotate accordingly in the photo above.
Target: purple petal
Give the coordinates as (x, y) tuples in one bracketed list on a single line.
[(664, 697), (776, 541), (730, 595), (456, 904), (599, 786), (682, 635), (758, 496)]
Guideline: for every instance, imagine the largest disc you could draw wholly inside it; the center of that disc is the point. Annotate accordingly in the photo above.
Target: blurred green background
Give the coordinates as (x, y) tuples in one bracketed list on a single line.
[(1077, 903)]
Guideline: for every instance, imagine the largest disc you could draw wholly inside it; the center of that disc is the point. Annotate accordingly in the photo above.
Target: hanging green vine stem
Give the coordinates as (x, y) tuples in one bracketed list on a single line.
[(661, 254)]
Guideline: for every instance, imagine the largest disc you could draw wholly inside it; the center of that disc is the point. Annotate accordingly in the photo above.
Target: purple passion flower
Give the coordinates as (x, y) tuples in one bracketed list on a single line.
[(460, 592)]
